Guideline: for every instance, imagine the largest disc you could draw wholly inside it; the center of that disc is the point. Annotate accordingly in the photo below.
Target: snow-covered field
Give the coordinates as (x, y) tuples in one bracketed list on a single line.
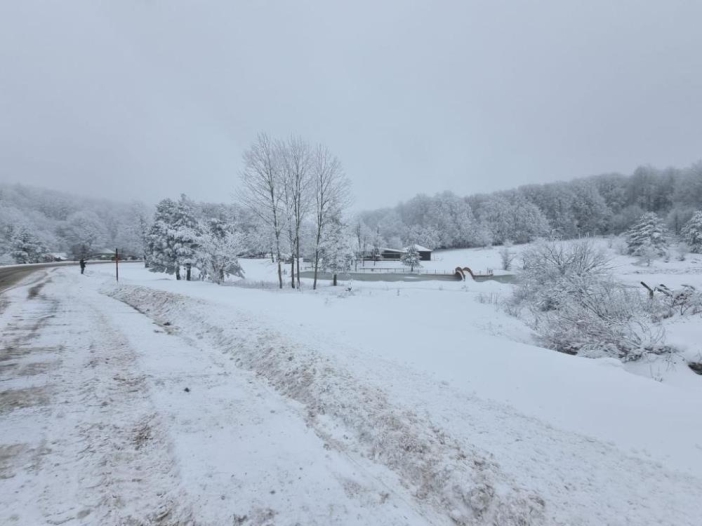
[(369, 403)]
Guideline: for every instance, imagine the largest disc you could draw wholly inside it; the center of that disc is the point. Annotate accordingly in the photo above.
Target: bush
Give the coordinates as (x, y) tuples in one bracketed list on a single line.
[(568, 296), (685, 300)]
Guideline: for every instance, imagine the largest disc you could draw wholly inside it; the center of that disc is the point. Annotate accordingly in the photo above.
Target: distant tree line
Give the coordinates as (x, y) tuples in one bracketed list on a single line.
[(35, 222), (597, 205), (292, 205)]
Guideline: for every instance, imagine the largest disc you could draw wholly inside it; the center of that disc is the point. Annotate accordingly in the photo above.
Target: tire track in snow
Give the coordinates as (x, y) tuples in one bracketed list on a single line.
[(96, 452)]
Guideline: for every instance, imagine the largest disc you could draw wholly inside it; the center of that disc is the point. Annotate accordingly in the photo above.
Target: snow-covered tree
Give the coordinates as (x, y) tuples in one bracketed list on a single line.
[(337, 253), (26, 247), (410, 257), (173, 236), (692, 233), (648, 237), (84, 232), (217, 252), (511, 216), (297, 170), (426, 236), (507, 255), (678, 218), (133, 230), (376, 245), (330, 189), (362, 236), (481, 235), (262, 191)]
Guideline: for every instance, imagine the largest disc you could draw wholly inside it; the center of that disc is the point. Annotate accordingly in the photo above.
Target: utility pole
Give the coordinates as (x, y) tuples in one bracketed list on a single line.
[(117, 264)]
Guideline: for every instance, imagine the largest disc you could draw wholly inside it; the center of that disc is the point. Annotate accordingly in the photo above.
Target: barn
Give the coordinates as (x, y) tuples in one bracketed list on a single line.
[(424, 253)]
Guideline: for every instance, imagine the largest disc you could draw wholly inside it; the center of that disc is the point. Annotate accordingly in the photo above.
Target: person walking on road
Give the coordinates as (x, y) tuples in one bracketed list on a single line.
[(82, 265)]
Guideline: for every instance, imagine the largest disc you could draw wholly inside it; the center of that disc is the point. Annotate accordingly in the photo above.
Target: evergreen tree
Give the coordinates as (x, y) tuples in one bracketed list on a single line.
[(692, 233), (647, 238), (26, 247), (173, 237), (410, 258)]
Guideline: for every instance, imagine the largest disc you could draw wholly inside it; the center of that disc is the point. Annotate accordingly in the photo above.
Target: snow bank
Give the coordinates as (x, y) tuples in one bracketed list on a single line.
[(452, 477)]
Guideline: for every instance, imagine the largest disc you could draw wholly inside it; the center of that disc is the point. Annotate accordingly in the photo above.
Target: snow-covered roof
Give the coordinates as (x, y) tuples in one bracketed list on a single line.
[(400, 250), (420, 248)]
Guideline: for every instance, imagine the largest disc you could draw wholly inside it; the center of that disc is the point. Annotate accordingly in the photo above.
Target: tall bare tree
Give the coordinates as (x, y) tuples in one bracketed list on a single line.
[(363, 235), (331, 196), (262, 189), (296, 155)]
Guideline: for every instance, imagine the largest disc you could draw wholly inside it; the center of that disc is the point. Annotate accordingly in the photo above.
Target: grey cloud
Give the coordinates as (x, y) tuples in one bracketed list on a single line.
[(145, 99)]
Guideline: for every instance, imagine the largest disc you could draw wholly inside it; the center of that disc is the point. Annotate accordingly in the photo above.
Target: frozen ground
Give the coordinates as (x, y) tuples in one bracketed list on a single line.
[(386, 404)]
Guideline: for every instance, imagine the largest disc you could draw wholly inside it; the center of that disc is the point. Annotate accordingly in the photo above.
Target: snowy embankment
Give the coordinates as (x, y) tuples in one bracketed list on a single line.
[(430, 384)]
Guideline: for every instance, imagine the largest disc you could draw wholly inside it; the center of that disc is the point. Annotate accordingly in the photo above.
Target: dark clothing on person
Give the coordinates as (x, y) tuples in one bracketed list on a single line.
[(82, 266)]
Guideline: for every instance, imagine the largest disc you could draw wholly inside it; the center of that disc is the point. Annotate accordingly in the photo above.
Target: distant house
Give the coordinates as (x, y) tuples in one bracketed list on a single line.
[(395, 254), (391, 254)]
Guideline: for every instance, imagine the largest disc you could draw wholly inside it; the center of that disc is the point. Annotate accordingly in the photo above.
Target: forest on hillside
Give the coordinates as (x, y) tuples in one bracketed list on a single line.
[(607, 204), (61, 222)]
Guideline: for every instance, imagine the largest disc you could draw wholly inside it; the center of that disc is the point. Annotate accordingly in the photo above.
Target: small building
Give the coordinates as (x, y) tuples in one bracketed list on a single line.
[(395, 254), (391, 254)]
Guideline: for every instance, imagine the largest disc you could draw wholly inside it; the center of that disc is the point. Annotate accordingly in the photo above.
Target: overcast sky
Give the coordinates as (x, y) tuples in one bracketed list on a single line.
[(148, 99)]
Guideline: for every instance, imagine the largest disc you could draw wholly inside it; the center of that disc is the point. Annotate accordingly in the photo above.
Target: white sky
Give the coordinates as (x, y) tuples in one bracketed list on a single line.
[(147, 99)]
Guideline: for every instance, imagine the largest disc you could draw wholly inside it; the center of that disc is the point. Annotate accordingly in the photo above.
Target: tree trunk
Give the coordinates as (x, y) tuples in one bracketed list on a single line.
[(298, 271), (318, 240), (292, 271), (316, 266), (177, 272), (277, 256), (334, 282), (187, 272), (297, 249)]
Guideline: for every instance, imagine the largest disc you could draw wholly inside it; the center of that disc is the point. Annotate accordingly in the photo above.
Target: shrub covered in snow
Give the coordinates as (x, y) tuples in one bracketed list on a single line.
[(569, 297), (692, 233), (685, 300)]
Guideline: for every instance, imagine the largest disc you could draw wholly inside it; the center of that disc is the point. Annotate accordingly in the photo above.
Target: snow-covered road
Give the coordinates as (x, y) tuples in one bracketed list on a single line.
[(98, 428), (128, 405)]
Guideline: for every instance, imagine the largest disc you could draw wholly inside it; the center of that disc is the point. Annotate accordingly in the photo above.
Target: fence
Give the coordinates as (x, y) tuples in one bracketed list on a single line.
[(401, 270)]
